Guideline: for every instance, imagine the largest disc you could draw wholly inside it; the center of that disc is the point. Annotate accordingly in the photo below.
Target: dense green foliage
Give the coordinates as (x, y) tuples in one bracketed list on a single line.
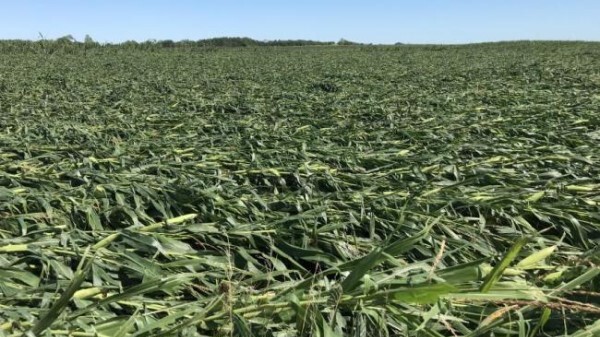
[(323, 191)]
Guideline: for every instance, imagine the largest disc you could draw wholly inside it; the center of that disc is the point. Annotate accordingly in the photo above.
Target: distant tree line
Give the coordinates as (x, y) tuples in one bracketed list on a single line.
[(69, 44)]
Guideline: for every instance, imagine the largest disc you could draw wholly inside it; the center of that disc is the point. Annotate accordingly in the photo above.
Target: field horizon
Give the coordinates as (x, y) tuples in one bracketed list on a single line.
[(244, 41)]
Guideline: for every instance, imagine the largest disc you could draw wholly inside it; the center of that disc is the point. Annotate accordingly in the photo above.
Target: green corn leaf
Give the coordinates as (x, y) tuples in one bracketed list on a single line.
[(496, 273)]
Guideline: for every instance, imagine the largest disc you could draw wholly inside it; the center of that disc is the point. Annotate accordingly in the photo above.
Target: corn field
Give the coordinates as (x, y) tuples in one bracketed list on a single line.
[(314, 191)]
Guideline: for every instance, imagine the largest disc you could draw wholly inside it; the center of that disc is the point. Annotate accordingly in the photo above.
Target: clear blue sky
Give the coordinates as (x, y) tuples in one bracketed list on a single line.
[(383, 21)]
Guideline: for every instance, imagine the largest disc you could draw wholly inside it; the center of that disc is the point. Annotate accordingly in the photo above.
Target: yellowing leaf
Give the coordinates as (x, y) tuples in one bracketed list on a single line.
[(534, 259), (14, 248), (536, 196)]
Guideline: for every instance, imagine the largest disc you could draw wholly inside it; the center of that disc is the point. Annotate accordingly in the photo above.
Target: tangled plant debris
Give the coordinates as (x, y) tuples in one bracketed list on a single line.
[(314, 191)]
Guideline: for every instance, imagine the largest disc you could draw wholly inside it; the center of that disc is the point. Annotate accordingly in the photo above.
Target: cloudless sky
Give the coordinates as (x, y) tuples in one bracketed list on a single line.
[(383, 21)]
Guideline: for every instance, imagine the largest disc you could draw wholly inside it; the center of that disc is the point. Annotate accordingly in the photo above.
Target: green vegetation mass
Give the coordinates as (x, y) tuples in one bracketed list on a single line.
[(314, 191)]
